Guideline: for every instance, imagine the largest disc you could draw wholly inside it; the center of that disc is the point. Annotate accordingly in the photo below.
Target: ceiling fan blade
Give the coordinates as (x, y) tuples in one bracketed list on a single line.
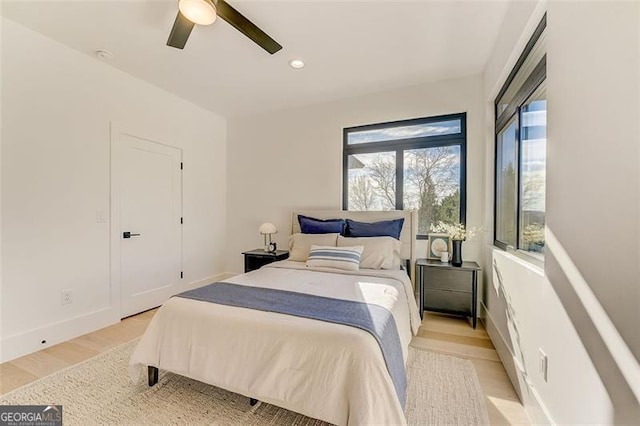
[(246, 27), (180, 32)]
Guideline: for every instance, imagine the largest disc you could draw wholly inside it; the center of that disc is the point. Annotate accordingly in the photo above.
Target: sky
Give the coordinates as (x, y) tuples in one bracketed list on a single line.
[(405, 132)]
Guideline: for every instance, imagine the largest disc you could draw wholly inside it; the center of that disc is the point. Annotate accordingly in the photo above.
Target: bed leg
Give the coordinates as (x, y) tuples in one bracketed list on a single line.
[(252, 401), (153, 375)]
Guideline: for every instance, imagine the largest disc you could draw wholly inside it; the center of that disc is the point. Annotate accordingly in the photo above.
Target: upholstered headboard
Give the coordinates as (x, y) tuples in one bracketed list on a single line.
[(407, 236)]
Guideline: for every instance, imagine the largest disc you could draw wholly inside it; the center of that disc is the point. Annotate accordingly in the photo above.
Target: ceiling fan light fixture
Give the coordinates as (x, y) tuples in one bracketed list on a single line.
[(201, 12)]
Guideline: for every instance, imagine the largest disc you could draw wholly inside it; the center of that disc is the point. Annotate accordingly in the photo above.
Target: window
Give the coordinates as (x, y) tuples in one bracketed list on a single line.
[(415, 164), (520, 156)]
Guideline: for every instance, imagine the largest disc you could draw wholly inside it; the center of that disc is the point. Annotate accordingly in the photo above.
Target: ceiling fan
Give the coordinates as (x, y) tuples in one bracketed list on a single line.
[(204, 12)]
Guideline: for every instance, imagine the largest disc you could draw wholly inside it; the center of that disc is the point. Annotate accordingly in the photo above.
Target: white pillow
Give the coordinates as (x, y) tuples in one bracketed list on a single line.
[(300, 244), (379, 252), (346, 258)]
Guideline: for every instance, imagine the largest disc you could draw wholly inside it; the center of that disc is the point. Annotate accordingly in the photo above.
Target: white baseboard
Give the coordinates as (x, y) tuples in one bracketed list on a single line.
[(533, 404), (31, 341), (17, 345)]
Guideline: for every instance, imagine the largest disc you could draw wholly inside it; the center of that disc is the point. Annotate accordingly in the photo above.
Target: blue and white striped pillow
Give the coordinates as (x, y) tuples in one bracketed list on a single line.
[(346, 258)]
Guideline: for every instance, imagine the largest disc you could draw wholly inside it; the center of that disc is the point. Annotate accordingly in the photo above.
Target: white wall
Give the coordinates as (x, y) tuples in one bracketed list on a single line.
[(594, 118), (529, 308), (1, 127), (57, 106), (525, 315), (597, 116), (292, 159)]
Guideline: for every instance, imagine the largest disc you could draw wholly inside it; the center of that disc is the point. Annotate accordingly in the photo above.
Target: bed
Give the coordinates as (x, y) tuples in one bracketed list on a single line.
[(325, 370)]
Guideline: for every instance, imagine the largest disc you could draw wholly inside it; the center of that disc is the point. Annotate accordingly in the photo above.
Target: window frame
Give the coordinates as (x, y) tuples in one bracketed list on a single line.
[(533, 82), (516, 119), (399, 146)]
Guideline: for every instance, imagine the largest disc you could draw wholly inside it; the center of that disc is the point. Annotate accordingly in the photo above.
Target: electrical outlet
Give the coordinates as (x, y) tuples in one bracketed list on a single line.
[(543, 364), (66, 297)]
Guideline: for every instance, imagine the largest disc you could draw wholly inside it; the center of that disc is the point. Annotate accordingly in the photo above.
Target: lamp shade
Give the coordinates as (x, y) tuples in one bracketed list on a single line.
[(267, 228), (201, 12)]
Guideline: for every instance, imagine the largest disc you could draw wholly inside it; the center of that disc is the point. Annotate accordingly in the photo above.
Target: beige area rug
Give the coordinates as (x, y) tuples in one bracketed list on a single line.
[(443, 390)]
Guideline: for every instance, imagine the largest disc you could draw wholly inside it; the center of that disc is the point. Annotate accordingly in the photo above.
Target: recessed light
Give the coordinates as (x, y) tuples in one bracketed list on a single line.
[(104, 54), (296, 63)]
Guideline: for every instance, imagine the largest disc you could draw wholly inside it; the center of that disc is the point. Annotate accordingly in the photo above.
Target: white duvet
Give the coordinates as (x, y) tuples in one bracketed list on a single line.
[(331, 372)]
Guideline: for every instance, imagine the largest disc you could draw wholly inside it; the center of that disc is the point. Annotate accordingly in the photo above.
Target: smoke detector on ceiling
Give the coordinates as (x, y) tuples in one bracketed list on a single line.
[(104, 54)]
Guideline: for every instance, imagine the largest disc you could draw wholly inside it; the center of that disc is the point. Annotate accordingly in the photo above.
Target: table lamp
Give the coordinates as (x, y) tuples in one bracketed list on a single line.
[(267, 229)]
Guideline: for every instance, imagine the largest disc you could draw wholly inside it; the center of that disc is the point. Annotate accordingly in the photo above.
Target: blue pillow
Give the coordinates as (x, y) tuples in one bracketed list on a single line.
[(310, 225), (385, 228)]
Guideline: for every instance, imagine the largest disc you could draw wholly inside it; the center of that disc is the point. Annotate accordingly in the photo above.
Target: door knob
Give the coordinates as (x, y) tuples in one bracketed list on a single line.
[(128, 234)]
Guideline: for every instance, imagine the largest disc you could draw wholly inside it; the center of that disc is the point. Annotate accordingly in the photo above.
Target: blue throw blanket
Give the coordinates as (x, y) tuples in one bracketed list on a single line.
[(372, 318)]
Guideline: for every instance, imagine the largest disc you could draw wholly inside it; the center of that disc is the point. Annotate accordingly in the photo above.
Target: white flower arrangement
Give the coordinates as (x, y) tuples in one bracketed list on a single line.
[(456, 231)]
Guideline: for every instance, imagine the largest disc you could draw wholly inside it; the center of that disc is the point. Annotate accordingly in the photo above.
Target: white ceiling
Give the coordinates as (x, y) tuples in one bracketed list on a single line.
[(350, 47)]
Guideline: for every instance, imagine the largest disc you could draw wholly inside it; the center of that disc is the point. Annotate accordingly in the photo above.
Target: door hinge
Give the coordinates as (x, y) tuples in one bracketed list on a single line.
[(181, 221), (181, 166), (181, 274)]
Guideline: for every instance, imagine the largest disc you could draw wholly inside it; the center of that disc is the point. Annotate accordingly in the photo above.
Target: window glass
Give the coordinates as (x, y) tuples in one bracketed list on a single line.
[(438, 128), (408, 165), (506, 185), (372, 181), (521, 154), (432, 185), (533, 172)]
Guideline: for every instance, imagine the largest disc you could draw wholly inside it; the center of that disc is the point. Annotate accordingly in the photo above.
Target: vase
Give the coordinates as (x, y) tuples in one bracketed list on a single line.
[(456, 256)]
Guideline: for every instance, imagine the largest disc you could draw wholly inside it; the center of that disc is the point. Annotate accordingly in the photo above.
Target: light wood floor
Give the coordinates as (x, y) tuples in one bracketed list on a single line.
[(440, 333), (455, 336)]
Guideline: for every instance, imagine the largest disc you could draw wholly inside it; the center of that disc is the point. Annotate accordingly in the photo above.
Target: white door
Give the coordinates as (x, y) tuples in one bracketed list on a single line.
[(150, 200)]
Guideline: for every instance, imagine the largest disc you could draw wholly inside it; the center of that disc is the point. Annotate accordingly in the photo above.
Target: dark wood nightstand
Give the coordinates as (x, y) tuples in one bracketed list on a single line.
[(447, 288), (257, 258)]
